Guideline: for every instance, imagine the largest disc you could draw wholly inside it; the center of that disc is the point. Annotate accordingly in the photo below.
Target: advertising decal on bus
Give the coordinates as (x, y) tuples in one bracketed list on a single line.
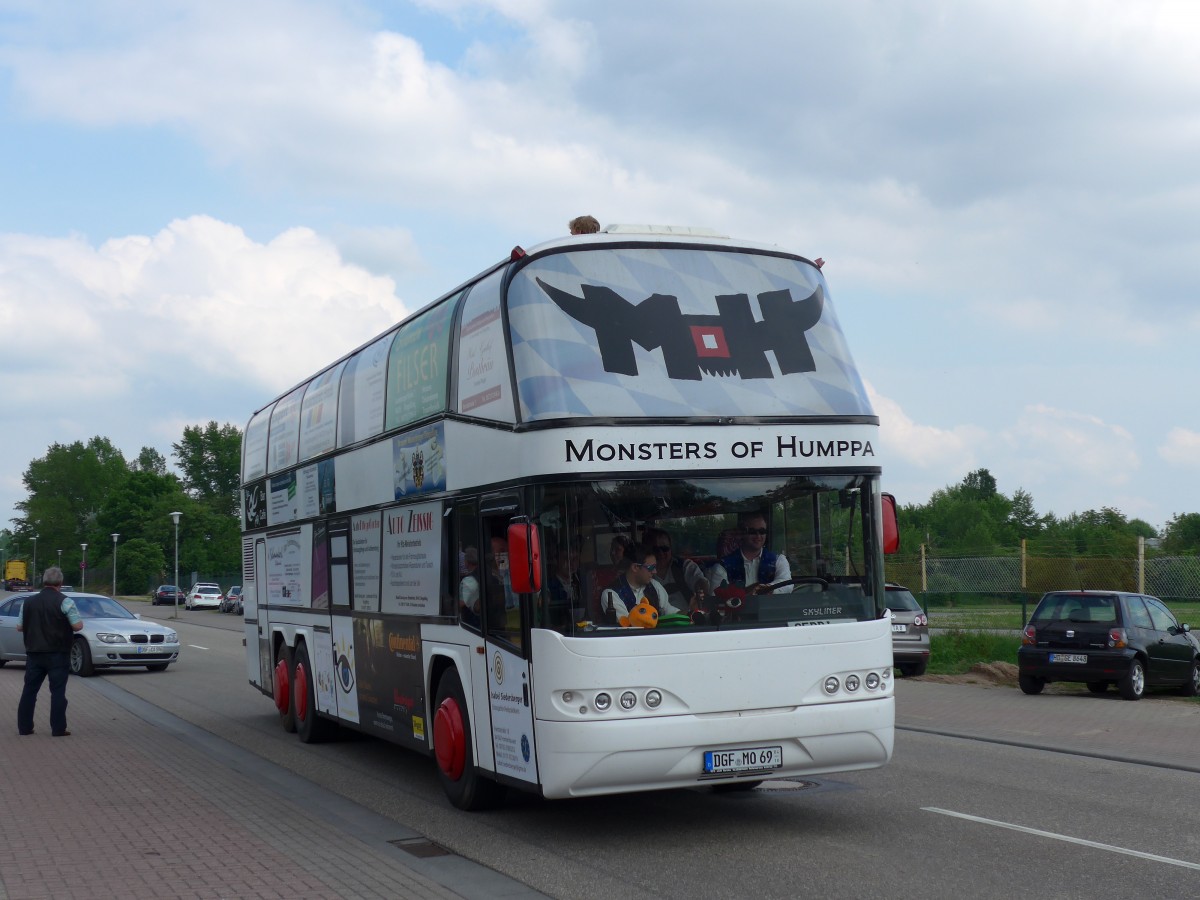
[(289, 566), (366, 539), (388, 670), (344, 676), (419, 465), (412, 559), (512, 715)]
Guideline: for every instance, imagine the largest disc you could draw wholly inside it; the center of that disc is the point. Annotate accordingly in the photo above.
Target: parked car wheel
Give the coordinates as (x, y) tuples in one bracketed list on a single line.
[(912, 670), (1030, 684), (1133, 685), (81, 658)]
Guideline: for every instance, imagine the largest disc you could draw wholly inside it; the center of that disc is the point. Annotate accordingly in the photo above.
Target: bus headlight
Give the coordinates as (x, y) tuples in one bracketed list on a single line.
[(832, 685), (602, 702), (872, 681), (852, 682), (653, 699), (628, 700)]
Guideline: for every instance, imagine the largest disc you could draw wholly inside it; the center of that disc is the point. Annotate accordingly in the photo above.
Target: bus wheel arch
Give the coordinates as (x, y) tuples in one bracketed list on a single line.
[(284, 673), (464, 785), (311, 727)]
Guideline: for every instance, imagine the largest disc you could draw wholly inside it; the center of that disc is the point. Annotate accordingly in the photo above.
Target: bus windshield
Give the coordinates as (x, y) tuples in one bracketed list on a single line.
[(707, 553)]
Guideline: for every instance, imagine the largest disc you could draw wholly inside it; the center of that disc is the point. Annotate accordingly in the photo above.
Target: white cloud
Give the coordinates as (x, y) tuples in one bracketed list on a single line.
[(141, 335), (924, 446), (200, 291), (1182, 448)]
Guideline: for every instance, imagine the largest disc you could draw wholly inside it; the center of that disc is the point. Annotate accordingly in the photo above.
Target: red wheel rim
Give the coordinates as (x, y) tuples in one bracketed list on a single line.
[(301, 693), (282, 688), (449, 739)]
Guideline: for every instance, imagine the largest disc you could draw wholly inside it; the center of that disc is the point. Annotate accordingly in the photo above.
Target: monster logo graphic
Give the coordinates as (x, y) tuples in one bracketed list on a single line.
[(256, 505), (731, 342)]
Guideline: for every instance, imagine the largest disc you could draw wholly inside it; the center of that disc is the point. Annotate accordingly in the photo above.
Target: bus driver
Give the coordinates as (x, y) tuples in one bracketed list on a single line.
[(752, 565)]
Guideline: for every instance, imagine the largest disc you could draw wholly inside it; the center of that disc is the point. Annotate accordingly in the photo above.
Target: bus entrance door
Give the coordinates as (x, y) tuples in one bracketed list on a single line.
[(509, 690)]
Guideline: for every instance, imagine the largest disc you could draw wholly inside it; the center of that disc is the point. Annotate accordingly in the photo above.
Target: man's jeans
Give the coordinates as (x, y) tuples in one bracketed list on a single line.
[(38, 667)]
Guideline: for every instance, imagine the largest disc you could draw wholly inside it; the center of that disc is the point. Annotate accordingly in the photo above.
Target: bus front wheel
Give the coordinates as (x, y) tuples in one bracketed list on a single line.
[(464, 785)]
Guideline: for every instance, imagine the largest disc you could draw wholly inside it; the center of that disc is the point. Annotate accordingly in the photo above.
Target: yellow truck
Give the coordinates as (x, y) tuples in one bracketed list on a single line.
[(16, 575)]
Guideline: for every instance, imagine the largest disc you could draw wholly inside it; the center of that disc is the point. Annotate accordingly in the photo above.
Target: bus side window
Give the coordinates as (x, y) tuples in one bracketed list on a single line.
[(467, 580), (503, 611)]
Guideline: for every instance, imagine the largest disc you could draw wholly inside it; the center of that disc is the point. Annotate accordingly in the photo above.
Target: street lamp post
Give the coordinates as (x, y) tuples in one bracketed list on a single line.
[(175, 517), (35, 569), (114, 593), (60, 559), (83, 569)]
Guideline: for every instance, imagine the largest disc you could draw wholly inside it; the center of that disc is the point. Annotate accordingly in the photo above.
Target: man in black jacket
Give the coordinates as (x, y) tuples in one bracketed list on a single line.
[(48, 619)]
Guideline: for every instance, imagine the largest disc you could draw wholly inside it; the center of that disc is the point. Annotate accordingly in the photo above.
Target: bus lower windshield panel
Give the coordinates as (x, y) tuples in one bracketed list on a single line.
[(631, 557)]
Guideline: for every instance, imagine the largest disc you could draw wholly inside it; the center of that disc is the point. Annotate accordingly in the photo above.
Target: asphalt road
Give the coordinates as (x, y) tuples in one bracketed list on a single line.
[(984, 814)]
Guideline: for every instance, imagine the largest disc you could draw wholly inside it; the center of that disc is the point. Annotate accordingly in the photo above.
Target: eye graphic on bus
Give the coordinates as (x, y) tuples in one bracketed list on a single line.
[(345, 674)]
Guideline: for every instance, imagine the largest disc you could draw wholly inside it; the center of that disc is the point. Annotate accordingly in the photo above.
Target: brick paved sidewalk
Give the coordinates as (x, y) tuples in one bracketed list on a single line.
[(124, 808)]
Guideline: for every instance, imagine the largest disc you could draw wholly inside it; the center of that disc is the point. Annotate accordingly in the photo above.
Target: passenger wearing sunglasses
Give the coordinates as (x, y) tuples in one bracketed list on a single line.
[(752, 565), (635, 582), (685, 584)]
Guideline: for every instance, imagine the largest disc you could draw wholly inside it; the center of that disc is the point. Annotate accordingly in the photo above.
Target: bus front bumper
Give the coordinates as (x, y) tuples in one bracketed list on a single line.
[(580, 759)]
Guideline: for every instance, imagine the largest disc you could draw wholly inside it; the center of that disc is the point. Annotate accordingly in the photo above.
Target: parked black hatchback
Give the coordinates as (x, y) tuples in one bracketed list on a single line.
[(1107, 637)]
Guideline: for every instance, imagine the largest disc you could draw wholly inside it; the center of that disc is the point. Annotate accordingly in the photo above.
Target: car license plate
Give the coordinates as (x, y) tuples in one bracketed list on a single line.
[(1068, 657), (900, 628), (748, 760)]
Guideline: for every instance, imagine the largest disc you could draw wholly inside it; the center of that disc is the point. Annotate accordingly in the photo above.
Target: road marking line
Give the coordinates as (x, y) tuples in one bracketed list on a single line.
[(197, 646), (1063, 837)]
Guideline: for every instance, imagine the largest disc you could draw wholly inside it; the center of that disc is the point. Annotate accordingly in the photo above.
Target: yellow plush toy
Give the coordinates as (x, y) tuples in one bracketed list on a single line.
[(644, 615)]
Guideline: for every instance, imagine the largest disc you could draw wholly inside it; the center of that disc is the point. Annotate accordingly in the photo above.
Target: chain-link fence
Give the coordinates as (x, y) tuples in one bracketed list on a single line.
[(1168, 577)]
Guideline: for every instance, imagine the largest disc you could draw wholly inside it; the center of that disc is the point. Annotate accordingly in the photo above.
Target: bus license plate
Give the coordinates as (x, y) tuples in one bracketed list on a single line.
[(747, 760), (1068, 657)]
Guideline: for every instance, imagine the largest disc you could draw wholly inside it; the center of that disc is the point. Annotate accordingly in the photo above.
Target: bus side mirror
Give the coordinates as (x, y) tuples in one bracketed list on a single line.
[(891, 525), (524, 557)]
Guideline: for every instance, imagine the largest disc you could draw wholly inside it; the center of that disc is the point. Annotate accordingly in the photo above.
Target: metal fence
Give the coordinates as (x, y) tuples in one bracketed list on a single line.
[(1168, 577)]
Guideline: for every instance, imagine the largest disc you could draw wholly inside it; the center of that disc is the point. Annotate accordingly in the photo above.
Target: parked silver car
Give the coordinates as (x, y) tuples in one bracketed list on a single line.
[(111, 636), (232, 601), (910, 631)]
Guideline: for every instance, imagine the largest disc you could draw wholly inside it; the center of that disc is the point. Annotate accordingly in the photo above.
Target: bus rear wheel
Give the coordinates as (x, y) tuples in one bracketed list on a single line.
[(310, 727), (465, 787), (283, 688)]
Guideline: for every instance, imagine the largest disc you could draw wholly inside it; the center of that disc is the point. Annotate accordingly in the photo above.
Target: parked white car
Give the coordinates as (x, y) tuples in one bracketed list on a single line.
[(203, 596)]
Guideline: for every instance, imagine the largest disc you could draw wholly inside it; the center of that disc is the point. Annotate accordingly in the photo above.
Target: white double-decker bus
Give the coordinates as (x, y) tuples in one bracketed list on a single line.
[(436, 528)]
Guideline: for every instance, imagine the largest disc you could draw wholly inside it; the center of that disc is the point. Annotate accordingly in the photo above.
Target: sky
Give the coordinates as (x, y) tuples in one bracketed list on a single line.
[(202, 202)]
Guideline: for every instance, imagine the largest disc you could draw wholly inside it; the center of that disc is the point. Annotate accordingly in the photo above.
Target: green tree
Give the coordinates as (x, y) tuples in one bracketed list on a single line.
[(141, 565), (1023, 518), (979, 485), (67, 489), (150, 460), (210, 460), (1182, 534)]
